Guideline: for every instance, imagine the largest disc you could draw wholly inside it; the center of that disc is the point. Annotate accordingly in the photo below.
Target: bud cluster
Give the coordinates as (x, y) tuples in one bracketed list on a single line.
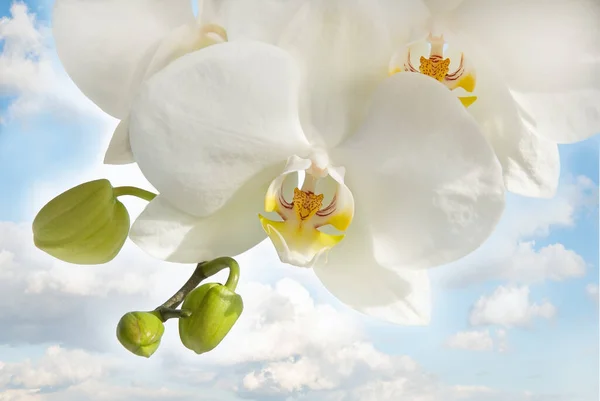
[(88, 225)]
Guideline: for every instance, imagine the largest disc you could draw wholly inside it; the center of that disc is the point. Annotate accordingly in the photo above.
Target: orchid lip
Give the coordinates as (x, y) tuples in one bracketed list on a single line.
[(438, 67), (297, 238)]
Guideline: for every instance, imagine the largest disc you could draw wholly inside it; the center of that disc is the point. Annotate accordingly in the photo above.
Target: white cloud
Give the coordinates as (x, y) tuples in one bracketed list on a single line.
[(285, 346), (74, 375), (93, 390), (466, 392), (509, 306), (511, 253), (103, 390), (19, 395), (46, 300), (30, 73), (535, 217), (502, 340), (471, 340), (58, 367), (23, 43), (319, 349), (592, 291), (312, 366), (479, 340), (275, 315), (552, 262)]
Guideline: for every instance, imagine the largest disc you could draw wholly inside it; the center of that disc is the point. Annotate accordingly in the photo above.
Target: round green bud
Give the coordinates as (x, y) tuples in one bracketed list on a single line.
[(140, 332), (84, 225), (215, 309)]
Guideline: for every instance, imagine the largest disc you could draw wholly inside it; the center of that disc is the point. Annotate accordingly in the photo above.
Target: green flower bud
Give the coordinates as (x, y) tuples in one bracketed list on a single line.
[(84, 225), (140, 332), (215, 309)]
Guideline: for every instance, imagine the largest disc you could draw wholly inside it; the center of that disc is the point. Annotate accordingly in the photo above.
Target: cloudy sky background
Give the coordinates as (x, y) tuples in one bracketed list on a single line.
[(515, 321)]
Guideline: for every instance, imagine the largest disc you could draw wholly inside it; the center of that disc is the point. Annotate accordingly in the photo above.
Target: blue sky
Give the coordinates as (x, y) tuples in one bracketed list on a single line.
[(555, 356)]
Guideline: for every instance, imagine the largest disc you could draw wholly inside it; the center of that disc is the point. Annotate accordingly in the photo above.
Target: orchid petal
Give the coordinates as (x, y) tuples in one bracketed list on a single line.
[(260, 20), (119, 148), (105, 45), (549, 58), (343, 48), (352, 275), (167, 233), (530, 163), (183, 40), (423, 175), (552, 45), (437, 7), (211, 120), (563, 117), (403, 19)]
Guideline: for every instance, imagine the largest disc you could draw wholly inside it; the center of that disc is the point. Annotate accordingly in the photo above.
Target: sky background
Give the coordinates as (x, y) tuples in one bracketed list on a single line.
[(516, 320)]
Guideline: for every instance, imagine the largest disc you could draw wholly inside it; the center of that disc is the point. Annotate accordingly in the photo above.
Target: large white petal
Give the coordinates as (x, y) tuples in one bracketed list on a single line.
[(423, 175), (351, 274), (530, 163), (552, 45), (405, 19), (167, 233), (344, 49), (105, 45), (438, 7), (212, 119), (261, 20), (566, 117), (179, 42), (550, 55)]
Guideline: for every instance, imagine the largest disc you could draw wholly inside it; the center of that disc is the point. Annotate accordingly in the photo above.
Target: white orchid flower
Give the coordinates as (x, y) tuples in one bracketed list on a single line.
[(109, 47), (526, 69), (398, 176)]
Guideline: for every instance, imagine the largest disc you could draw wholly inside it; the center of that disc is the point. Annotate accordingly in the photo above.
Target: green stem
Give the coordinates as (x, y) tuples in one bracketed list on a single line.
[(134, 191), (177, 298), (165, 314), (234, 275), (203, 271), (216, 265)]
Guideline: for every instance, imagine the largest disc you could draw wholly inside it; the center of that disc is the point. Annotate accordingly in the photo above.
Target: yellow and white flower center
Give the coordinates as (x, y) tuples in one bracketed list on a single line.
[(438, 67), (297, 237)]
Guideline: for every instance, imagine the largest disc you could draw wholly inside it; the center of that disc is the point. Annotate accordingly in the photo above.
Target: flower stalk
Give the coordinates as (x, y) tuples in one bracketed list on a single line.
[(203, 271), (134, 191)]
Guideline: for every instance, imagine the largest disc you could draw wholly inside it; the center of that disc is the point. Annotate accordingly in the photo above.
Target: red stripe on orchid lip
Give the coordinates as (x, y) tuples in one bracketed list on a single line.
[(409, 67), (329, 209), (459, 72), (282, 200)]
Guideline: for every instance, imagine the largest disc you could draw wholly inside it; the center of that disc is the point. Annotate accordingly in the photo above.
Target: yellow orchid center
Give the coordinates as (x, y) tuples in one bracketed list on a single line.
[(297, 237), (438, 67), (435, 67), (306, 204)]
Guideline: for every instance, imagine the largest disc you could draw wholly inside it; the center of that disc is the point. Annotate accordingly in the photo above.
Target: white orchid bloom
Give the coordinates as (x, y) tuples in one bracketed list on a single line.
[(397, 175), (109, 47), (526, 69)]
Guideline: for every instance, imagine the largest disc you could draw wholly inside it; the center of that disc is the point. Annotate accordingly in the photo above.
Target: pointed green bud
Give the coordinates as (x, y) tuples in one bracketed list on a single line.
[(84, 225), (215, 309), (140, 332)]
